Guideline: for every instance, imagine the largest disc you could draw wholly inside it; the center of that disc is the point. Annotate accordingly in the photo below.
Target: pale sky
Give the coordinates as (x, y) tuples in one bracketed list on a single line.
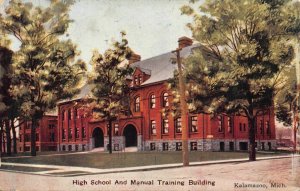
[(152, 27)]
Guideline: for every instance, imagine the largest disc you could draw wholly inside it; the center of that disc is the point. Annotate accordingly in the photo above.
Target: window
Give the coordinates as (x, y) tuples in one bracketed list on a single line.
[(69, 114), (261, 127), (75, 113), (268, 127), (220, 123), (165, 100), (193, 146), (51, 126), (165, 146), (77, 133), (178, 146), (135, 80), (28, 126), (27, 137), (137, 104), (242, 126), (165, 126), (152, 101), (153, 127), (152, 146), (63, 115), (116, 129), (37, 138), (63, 134), (83, 132), (70, 133), (52, 137), (194, 126), (140, 79), (230, 124), (178, 128)]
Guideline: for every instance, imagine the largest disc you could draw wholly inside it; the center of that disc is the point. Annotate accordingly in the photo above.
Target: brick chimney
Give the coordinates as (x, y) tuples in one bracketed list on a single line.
[(184, 42), (134, 58)]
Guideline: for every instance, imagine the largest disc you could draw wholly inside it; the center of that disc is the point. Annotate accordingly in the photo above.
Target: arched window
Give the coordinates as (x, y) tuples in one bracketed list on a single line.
[(152, 101), (137, 104), (165, 99)]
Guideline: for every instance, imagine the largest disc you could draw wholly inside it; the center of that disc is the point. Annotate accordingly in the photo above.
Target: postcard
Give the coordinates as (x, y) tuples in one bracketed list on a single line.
[(149, 95)]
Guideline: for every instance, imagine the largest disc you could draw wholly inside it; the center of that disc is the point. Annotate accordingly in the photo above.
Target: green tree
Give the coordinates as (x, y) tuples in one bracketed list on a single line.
[(245, 48), (5, 98), (110, 83), (45, 69)]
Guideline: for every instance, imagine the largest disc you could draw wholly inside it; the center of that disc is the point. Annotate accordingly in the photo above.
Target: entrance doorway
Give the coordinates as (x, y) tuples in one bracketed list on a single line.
[(98, 137), (130, 135)]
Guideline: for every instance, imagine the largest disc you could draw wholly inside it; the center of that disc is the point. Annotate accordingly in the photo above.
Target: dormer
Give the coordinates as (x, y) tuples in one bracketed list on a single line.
[(140, 75)]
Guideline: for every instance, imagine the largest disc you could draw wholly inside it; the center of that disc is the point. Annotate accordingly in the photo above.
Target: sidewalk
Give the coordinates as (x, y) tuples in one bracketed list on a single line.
[(57, 170)]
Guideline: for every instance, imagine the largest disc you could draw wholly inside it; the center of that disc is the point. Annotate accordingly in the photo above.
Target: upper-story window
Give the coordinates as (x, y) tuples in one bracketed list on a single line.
[(194, 126), (165, 99), (136, 80), (116, 129), (152, 101), (268, 127), (75, 113), (165, 126), (137, 104), (140, 79), (51, 126), (63, 115), (153, 127), (230, 124), (220, 123), (178, 127), (69, 114), (261, 127)]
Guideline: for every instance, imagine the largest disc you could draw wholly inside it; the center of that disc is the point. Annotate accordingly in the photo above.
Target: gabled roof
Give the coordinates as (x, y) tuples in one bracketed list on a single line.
[(84, 91), (161, 66)]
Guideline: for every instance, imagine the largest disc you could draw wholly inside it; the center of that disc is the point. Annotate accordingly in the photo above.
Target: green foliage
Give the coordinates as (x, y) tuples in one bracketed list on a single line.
[(246, 48), (5, 80), (109, 80), (45, 69)]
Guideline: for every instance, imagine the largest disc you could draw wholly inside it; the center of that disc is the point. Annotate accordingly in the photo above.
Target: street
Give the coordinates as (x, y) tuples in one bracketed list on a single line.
[(275, 174)]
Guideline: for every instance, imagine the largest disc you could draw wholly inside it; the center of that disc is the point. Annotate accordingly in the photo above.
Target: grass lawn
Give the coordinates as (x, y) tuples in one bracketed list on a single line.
[(119, 160)]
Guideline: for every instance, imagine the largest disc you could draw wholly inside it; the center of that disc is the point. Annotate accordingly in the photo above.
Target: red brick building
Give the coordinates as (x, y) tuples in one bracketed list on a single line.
[(147, 128), (46, 135)]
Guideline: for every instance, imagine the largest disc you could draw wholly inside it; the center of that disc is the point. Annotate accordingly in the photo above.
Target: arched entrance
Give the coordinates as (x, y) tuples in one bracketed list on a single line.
[(98, 137), (130, 135)]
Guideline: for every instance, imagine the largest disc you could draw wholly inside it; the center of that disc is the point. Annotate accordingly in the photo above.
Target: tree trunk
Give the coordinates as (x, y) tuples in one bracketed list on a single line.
[(3, 142), (8, 137), (13, 128), (252, 151), (110, 136), (33, 132)]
